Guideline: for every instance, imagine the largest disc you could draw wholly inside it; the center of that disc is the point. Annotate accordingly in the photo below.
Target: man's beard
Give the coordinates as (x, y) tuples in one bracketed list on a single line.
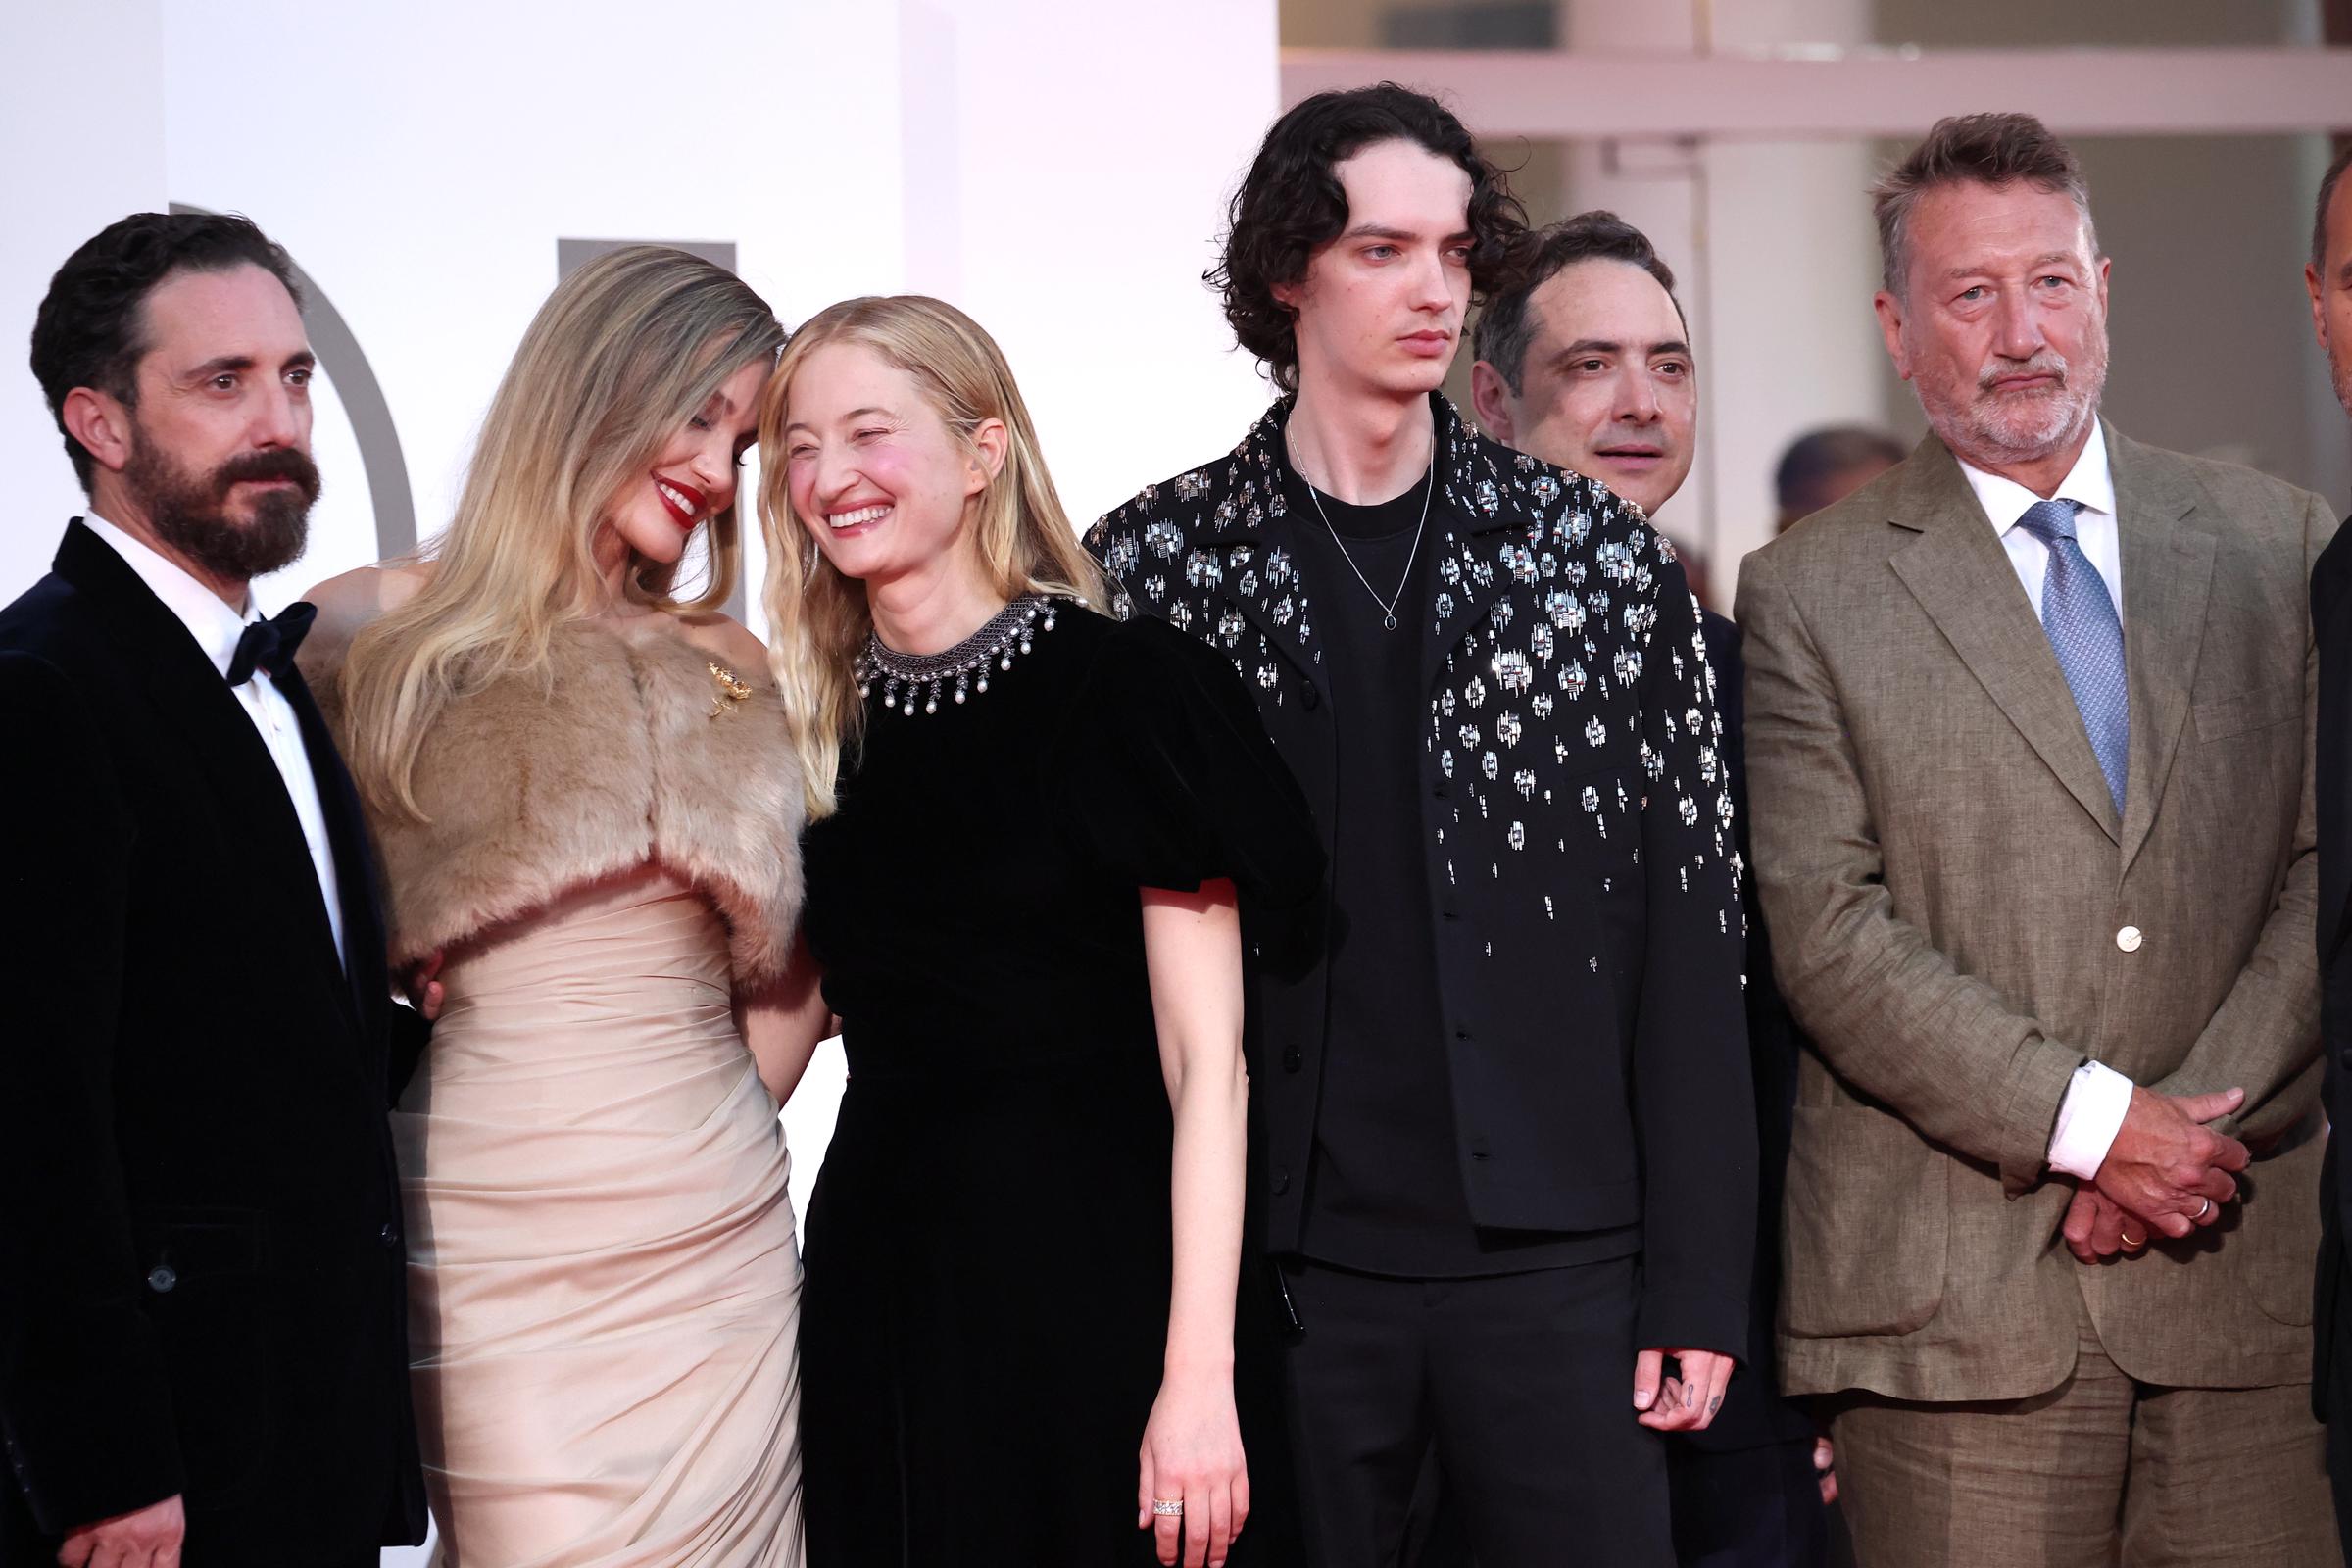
[(2339, 371), (190, 512), (2023, 426)]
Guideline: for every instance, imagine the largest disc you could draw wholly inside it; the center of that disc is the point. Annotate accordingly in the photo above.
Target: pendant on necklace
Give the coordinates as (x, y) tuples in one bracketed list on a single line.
[(1388, 621), (908, 678)]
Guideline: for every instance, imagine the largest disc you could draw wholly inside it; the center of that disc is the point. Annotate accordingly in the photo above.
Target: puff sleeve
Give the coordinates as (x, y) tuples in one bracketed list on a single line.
[(1166, 778)]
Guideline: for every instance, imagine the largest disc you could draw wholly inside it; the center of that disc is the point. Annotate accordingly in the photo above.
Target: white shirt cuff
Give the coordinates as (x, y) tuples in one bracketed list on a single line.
[(2088, 1119)]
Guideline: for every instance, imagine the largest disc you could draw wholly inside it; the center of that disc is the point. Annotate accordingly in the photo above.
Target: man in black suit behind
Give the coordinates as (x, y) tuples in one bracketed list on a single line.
[(2328, 277), (1584, 361), (203, 1353)]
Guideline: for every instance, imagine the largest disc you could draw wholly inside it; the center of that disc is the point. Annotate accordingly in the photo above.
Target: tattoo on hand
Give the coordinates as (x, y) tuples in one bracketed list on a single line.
[(1715, 1404)]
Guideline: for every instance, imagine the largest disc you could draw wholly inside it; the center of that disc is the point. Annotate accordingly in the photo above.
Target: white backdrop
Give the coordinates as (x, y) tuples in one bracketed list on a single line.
[(1057, 167)]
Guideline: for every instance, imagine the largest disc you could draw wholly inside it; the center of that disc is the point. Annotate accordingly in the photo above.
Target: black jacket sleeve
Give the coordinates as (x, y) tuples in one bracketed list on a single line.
[(83, 1397), (1695, 1102)]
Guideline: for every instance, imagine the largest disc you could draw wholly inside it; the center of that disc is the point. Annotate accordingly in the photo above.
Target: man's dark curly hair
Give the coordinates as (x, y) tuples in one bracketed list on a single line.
[(1292, 202), (91, 328)]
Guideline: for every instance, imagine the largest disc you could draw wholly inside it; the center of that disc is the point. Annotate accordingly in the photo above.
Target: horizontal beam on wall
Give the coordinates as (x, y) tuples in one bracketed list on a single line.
[(1549, 95)]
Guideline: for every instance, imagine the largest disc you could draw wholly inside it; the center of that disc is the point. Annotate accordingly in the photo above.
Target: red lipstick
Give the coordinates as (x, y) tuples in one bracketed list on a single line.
[(672, 492)]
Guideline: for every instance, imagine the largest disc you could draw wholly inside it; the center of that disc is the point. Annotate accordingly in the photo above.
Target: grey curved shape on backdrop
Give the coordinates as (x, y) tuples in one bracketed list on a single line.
[(339, 354)]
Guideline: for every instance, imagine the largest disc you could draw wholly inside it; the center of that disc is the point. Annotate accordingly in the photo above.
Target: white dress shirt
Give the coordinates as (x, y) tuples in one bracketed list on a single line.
[(2098, 1096), (217, 628)]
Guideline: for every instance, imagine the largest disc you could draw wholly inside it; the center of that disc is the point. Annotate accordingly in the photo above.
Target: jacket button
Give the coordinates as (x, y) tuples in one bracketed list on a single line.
[(389, 1233), (1282, 1181), (2128, 938), (162, 1278), (1291, 1059), (1311, 699)]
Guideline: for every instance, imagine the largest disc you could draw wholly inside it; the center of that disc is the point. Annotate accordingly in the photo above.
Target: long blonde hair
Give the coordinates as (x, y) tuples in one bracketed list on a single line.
[(625, 352), (819, 620)]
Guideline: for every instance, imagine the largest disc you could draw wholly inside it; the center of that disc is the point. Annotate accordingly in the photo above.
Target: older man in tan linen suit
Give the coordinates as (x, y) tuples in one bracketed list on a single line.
[(2028, 730)]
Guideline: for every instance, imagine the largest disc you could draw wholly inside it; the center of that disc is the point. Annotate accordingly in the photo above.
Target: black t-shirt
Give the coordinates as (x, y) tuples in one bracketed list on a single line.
[(1386, 1191)]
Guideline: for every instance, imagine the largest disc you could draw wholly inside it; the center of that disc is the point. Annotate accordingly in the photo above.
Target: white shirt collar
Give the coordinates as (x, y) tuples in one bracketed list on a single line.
[(2090, 482), (214, 626)]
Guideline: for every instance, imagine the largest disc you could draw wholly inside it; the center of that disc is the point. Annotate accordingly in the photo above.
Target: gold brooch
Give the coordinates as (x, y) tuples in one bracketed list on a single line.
[(731, 689)]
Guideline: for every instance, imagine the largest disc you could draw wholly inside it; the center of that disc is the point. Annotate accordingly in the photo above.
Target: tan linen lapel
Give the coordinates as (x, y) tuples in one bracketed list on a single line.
[(2168, 575), (1962, 577)]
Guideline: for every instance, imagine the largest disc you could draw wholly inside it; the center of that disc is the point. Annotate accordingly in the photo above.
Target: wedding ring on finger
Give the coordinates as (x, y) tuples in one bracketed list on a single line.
[(2202, 1212), (2133, 1244), (1168, 1508)]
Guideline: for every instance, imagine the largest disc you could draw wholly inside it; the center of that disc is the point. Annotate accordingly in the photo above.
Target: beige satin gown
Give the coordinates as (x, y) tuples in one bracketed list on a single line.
[(602, 1277), (603, 1283)]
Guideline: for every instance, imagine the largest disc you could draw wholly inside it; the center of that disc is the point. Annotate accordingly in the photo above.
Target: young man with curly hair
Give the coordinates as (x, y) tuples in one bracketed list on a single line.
[(1507, 1163)]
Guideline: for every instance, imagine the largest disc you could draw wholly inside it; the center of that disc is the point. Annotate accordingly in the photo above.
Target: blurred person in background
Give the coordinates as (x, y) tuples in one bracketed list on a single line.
[(1822, 467), (1584, 361), (2041, 899)]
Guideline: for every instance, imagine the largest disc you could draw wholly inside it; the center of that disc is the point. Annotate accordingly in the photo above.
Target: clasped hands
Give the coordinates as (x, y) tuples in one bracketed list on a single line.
[(2166, 1172)]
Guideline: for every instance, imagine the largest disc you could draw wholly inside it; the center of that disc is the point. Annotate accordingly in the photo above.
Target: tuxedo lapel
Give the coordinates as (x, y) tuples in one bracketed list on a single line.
[(364, 963), (184, 693), (1963, 579), (2334, 741), (2168, 577)]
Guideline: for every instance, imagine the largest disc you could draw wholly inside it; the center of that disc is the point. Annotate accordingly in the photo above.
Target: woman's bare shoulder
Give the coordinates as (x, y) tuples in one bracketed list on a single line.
[(350, 600), (347, 602)]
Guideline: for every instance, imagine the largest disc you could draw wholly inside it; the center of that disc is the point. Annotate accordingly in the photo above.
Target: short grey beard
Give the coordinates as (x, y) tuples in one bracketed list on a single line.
[(1971, 431)]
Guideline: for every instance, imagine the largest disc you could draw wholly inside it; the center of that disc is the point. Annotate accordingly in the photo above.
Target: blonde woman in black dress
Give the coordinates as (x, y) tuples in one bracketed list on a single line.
[(1036, 829)]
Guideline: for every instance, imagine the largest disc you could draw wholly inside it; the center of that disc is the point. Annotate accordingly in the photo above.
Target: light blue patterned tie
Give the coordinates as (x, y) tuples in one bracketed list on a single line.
[(2088, 636)]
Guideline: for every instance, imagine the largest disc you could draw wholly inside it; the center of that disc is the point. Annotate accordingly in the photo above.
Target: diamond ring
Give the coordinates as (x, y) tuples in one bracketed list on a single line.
[(1168, 1508)]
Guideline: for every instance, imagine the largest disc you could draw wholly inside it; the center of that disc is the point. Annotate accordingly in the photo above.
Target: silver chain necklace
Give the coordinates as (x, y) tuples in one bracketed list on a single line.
[(906, 676), (1387, 606)]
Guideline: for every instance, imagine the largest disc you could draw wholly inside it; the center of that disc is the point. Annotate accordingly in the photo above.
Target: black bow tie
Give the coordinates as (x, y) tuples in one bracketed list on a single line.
[(268, 644)]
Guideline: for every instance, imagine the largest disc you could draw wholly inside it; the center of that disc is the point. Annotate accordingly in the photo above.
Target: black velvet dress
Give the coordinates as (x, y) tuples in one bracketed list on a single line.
[(988, 1246)]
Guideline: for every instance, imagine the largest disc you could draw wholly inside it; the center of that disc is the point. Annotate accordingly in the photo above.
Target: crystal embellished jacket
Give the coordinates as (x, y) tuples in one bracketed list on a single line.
[(1584, 880)]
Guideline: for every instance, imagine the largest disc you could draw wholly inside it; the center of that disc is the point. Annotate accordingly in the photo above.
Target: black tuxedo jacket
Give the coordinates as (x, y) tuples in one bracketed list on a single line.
[(201, 1255), (2331, 624), (1576, 825)]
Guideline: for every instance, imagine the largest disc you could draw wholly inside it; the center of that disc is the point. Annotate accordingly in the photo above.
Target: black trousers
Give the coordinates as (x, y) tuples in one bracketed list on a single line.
[(1523, 1384), (1757, 1507), (2333, 1373)]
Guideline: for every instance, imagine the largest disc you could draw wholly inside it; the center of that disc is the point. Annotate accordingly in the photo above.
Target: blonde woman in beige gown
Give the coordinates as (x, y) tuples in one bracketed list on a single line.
[(587, 811)]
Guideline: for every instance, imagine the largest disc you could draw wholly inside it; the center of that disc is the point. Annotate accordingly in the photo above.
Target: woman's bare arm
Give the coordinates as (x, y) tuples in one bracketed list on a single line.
[(1192, 1445)]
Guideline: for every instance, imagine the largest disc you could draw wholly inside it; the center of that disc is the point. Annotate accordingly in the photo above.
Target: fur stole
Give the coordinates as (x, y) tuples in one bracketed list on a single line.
[(620, 752)]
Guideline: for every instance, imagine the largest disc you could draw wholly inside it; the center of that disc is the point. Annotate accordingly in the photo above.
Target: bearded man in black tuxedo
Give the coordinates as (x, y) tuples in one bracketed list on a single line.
[(203, 1350)]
